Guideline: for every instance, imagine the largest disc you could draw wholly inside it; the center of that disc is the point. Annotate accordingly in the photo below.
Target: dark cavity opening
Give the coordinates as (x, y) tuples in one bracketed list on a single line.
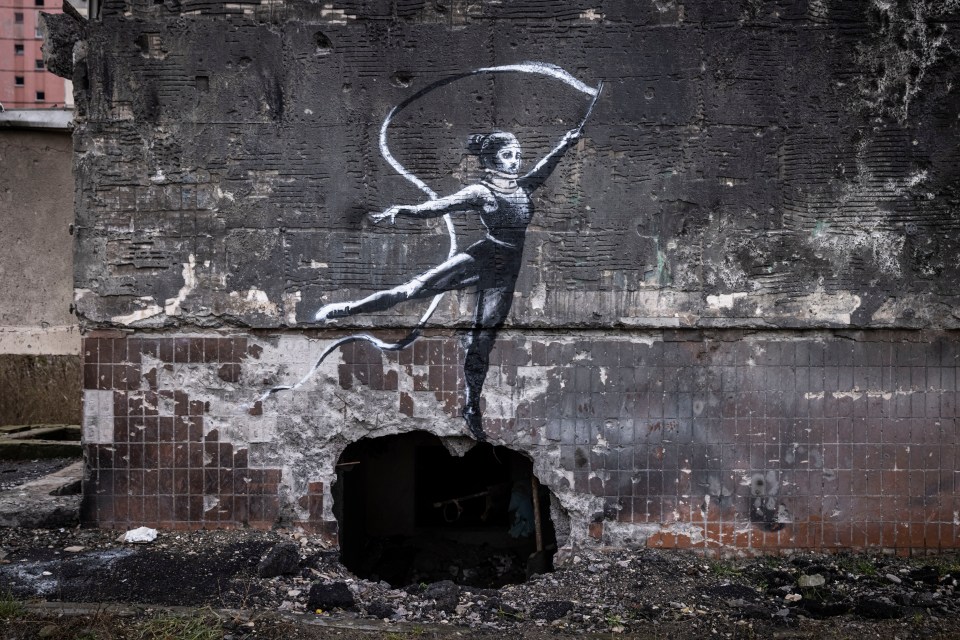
[(409, 512), (324, 45)]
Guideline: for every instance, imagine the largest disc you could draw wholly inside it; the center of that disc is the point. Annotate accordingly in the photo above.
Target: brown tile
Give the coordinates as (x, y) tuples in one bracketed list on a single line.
[(211, 454), (181, 350), (181, 457), (104, 377), (166, 432), (181, 482), (241, 509), (165, 485), (151, 428), (225, 481), (211, 350), (135, 511), (151, 455), (165, 510), (196, 455), (180, 400), (596, 530), (195, 429), (119, 350), (224, 511), (195, 508), (406, 404), (196, 481), (134, 347), (181, 508), (225, 351), (104, 350), (151, 403), (239, 459), (121, 509), (196, 350), (149, 347), (211, 482), (151, 482), (225, 455), (90, 376)]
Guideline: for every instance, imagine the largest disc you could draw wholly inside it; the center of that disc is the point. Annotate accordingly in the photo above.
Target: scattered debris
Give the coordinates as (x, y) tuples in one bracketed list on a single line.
[(633, 592)]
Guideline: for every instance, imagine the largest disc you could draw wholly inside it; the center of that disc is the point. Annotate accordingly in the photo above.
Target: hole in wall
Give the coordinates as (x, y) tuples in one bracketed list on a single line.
[(410, 512), (401, 79), (323, 43)]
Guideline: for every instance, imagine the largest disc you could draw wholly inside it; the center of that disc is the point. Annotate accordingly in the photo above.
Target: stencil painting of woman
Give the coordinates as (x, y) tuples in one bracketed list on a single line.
[(502, 200)]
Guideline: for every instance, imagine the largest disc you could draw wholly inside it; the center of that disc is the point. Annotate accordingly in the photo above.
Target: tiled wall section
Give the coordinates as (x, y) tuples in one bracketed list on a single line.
[(151, 457), (762, 442)]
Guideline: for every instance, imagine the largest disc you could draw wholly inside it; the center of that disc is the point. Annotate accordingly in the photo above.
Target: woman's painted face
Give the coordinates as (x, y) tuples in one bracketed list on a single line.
[(508, 159)]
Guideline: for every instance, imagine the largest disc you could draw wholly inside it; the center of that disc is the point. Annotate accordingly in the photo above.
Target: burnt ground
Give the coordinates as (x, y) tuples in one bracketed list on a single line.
[(635, 593)]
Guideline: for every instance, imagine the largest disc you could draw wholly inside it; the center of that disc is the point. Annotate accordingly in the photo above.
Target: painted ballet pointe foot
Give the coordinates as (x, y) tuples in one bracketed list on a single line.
[(333, 311), (471, 415)]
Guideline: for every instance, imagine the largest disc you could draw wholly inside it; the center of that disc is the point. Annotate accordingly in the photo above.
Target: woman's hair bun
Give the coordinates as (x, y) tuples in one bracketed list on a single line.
[(475, 143)]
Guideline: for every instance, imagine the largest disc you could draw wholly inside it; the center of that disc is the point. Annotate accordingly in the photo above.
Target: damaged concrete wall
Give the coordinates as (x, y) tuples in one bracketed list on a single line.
[(782, 168)]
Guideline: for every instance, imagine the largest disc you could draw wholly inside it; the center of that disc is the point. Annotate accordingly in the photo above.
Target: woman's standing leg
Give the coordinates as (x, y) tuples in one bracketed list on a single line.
[(493, 306)]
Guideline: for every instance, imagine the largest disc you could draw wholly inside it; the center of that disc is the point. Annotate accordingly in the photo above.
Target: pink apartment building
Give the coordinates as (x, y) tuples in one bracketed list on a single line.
[(24, 81)]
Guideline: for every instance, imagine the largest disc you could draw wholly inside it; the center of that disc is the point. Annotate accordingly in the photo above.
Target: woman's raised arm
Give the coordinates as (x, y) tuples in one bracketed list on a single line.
[(474, 198), (539, 174)]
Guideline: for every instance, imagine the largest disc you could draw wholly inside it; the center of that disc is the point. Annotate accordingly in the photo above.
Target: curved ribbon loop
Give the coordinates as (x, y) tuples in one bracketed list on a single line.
[(540, 68)]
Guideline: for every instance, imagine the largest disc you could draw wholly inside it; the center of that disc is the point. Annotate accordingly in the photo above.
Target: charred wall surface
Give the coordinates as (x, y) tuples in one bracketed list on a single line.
[(733, 323)]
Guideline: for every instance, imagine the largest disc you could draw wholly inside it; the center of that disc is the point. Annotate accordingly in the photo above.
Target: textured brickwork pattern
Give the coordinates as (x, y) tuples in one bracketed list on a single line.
[(680, 439)]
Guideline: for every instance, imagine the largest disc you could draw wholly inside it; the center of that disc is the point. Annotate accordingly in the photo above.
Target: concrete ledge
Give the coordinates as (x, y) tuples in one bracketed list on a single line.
[(40, 341), (59, 119), (32, 505), (24, 442)]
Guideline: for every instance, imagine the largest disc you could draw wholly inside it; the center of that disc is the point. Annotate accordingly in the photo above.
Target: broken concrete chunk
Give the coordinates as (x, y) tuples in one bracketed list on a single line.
[(335, 595), (282, 559), (61, 31), (74, 549), (445, 593), (139, 535), (808, 582)]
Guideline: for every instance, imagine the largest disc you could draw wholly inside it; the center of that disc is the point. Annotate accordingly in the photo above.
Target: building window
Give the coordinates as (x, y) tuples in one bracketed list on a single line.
[(37, 31), (38, 3), (39, 64), (18, 81), (18, 18), (41, 96), (18, 49)]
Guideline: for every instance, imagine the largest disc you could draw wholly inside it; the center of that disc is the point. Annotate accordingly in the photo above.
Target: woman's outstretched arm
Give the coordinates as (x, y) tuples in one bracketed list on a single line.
[(538, 175), (472, 198)]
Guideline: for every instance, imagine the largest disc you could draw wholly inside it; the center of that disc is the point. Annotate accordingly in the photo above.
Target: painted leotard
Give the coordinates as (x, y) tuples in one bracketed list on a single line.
[(499, 255)]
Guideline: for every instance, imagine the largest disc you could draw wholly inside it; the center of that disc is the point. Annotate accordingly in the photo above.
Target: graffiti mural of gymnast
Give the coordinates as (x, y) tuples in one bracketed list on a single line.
[(502, 199)]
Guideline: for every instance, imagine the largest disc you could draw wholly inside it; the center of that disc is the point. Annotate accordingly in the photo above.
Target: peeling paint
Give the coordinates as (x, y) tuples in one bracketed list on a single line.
[(172, 306)]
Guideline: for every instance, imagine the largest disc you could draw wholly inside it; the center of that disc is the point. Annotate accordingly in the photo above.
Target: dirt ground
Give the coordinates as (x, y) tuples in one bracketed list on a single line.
[(284, 584)]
